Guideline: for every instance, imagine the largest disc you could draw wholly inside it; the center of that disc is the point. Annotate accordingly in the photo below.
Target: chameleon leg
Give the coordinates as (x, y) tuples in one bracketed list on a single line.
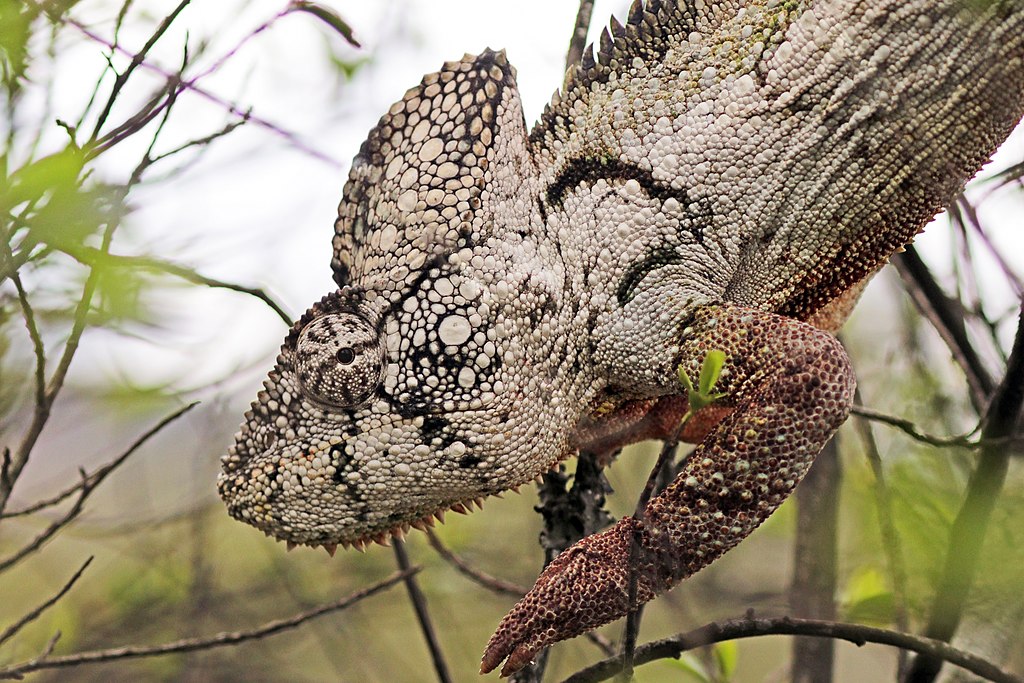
[(790, 386)]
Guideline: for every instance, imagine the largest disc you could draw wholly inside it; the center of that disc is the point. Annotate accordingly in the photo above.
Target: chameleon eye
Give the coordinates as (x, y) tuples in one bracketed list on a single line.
[(339, 359)]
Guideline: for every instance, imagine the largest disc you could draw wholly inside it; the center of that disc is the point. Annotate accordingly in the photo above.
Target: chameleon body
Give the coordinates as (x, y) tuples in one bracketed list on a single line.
[(722, 175)]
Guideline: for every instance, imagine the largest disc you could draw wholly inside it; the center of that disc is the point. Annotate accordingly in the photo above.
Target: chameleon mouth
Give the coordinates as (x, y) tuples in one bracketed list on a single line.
[(398, 531)]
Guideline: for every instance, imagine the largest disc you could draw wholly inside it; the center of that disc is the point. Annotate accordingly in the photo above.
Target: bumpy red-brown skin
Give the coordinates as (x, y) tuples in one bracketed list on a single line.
[(790, 386)]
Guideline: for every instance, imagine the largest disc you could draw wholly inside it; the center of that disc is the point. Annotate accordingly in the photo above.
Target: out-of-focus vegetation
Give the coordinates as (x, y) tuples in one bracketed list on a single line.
[(76, 272)]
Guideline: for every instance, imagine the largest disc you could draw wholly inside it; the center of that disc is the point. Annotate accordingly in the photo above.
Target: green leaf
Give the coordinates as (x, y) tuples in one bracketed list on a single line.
[(329, 17), (727, 656), (15, 28), (34, 181), (702, 396), (690, 666), (867, 598), (710, 370)]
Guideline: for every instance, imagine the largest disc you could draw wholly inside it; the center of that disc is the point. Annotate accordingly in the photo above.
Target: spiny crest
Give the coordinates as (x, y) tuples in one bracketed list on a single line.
[(650, 30), (416, 183)]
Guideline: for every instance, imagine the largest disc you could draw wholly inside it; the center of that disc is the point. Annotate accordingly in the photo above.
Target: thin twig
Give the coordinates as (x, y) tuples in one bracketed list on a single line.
[(96, 477), (484, 579), (37, 341), (137, 59), (93, 257), (635, 613), (578, 41), (31, 616), (910, 429), (968, 531), (419, 603), (222, 639), (36, 543), (858, 634), (947, 317), (189, 85), (816, 563), (892, 545), (41, 413)]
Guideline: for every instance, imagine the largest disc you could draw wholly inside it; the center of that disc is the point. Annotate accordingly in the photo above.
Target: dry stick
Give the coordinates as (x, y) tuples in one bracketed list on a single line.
[(93, 257), (94, 478), (33, 333), (137, 60), (815, 563), (85, 487), (633, 616), (419, 603), (892, 546), (41, 413), (232, 109), (578, 42), (31, 616), (947, 317), (44, 661), (489, 582), (968, 531), (910, 429), (671, 648)]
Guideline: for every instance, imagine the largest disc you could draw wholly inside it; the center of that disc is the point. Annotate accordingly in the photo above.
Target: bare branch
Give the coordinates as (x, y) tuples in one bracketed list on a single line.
[(222, 639), (947, 316), (751, 627), (94, 257), (968, 531), (137, 59), (892, 545), (578, 41), (31, 616), (95, 478), (910, 429), (419, 603), (489, 582), (85, 488), (635, 614), (37, 341), (41, 413), (815, 563), (191, 86)]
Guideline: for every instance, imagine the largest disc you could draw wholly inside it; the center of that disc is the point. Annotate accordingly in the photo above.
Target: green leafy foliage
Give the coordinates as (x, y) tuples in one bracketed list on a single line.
[(16, 19), (703, 394)]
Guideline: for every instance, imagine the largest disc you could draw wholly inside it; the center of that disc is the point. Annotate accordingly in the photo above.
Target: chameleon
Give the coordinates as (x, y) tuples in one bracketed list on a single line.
[(716, 175)]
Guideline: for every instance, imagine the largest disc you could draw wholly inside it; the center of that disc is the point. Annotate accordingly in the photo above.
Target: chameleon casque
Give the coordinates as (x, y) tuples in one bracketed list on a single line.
[(722, 175)]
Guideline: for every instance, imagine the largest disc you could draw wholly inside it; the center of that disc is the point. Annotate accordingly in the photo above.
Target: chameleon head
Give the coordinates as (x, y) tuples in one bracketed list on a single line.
[(378, 417), (411, 389)]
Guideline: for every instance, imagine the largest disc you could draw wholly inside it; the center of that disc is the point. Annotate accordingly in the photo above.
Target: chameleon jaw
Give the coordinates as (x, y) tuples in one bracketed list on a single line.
[(398, 532)]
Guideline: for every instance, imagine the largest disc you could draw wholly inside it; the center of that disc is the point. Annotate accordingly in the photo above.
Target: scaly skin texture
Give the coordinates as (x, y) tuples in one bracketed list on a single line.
[(725, 175)]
